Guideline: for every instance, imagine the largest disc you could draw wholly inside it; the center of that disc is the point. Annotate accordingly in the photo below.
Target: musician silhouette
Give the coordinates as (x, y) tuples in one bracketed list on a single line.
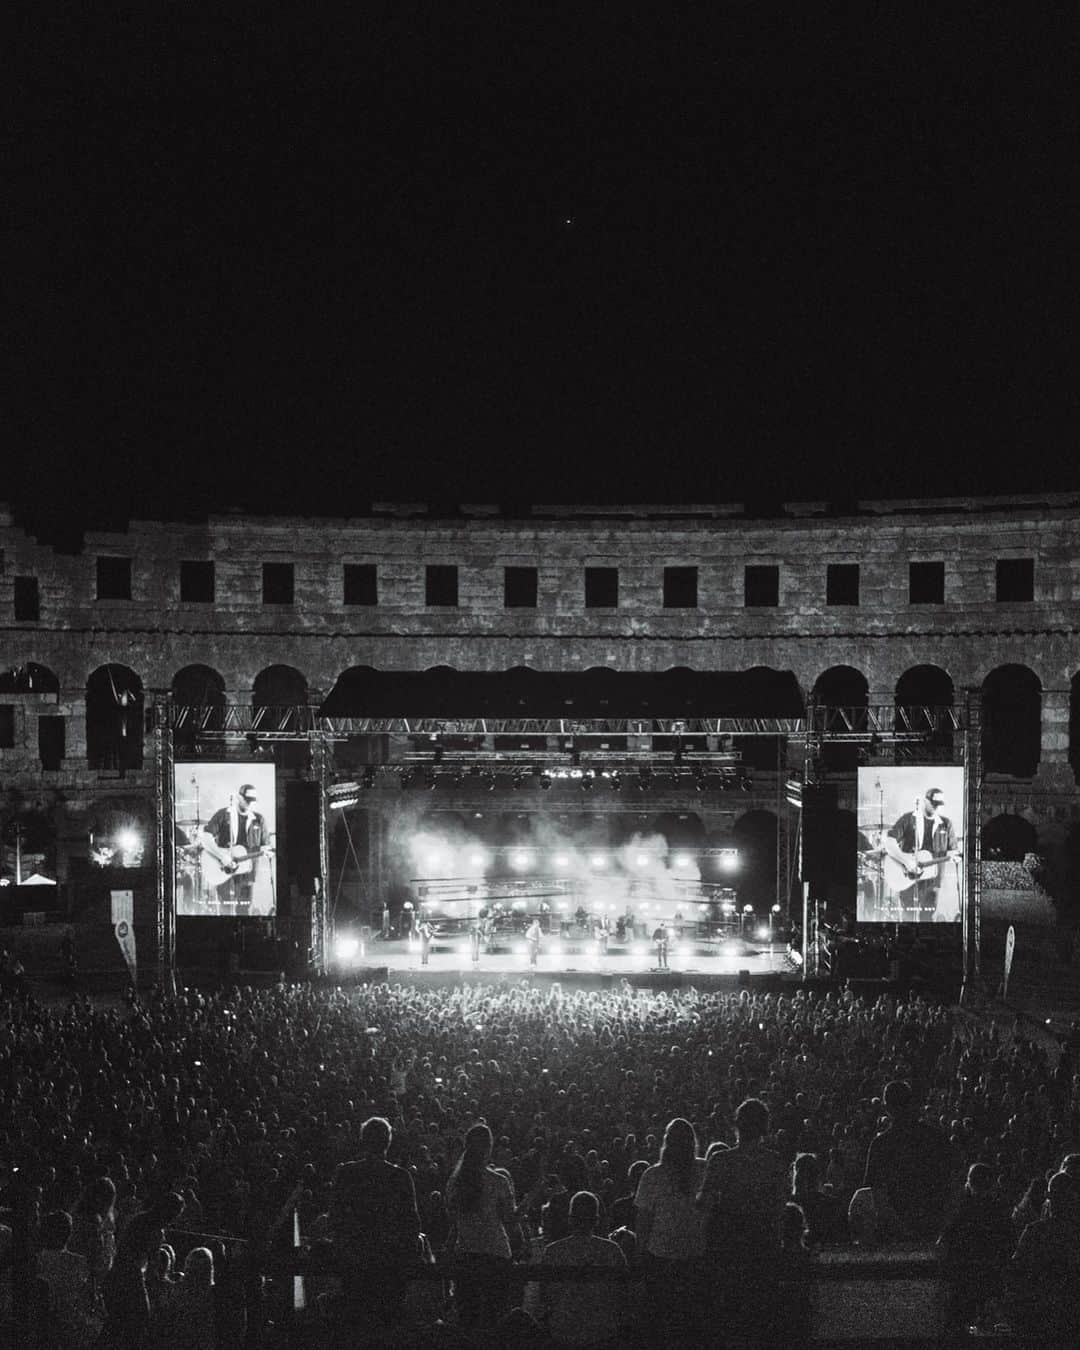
[(916, 849), (234, 840)]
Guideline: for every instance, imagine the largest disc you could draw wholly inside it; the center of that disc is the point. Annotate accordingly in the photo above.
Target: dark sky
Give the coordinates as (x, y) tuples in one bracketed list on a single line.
[(699, 257)]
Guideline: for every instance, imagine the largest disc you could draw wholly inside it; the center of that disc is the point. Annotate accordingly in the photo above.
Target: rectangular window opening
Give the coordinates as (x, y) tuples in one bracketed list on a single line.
[(361, 584), (277, 583), (441, 585), (519, 587), (761, 585), (680, 587)]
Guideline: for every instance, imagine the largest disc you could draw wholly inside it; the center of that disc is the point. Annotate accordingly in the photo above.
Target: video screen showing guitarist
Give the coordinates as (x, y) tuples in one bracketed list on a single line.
[(917, 849), (234, 843)]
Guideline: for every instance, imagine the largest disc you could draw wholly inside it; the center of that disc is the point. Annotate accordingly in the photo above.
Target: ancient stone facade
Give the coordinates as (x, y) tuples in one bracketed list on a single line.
[(967, 587)]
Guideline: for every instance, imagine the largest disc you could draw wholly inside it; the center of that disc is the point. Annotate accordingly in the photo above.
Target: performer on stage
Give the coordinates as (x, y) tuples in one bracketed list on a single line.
[(426, 934), (532, 937), (474, 941), (916, 851), (660, 937), (234, 840)]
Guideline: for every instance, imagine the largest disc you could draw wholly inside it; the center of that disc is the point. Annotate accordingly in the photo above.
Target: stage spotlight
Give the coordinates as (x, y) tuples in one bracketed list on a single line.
[(729, 859), (642, 860), (519, 905), (731, 949), (763, 935), (521, 862), (682, 860), (615, 781), (477, 858), (598, 860), (644, 781), (561, 860), (345, 948), (127, 841), (586, 782)]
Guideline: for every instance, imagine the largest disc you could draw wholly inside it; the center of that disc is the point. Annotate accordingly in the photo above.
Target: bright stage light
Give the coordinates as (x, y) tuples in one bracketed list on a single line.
[(682, 860), (477, 858), (561, 860), (729, 861), (433, 860), (128, 841), (562, 906), (519, 904), (762, 935), (642, 860), (521, 862), (598, 860), (345, 948), (731, 949)]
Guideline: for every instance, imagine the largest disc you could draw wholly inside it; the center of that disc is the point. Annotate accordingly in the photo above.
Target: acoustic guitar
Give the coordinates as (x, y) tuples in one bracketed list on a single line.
[(922, 866), (220, 865)]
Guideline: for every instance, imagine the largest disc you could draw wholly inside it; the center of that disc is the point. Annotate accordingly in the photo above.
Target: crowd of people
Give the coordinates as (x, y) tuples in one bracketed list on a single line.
[(689, 1148)]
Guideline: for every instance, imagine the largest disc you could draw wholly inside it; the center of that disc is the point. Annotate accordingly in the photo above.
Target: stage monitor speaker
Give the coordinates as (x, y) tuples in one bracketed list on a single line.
[(819, 827), (302, 834)]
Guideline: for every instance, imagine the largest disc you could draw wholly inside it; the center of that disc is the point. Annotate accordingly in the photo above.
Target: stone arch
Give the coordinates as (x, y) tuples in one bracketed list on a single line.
[(762, 752), (201, 689), (755, 838), (1012, 721), (30, 678), (1008, 838), (114, 718), (925, 686), (843, 687)]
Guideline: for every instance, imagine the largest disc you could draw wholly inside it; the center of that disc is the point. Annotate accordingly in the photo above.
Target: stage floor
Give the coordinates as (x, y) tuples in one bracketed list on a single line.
[(399, 956)]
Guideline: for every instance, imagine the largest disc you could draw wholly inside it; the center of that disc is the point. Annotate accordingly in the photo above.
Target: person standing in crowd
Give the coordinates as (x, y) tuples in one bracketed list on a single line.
[(909, 1168), (532, 937), (1044, 1277), (374, 1223), (742, 1195), (670, 1228), (426, 934), (660, 938), (480, 1203), (826, 1222), (578, 1313), (95, 1227), (127, 1302), (67, 1275), (975, 1246)]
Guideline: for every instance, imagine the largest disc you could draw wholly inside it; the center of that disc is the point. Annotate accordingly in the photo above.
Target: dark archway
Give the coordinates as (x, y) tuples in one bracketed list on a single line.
[(755, 838), (762, 752), (1012, 716), (843, 687), (114, 719), (1008, 838), (925, 687), (200, 692), (283, 689), (30, 678)]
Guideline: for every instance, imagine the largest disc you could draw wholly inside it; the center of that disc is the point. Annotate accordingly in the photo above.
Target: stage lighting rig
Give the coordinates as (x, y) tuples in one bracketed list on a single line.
[(342, 795)]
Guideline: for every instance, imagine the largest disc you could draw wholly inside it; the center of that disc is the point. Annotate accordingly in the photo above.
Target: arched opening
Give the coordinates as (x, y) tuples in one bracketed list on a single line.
[(919, 688), (843, 687), (114, 719), (755, 838), (30, 678), (766, 753), (198, 694), (276, 696), (1011, 714), (1008, 838)]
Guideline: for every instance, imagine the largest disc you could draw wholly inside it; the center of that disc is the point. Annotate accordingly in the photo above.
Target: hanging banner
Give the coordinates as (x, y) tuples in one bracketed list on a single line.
[(122, 907), (1010, 947), (125, 936)]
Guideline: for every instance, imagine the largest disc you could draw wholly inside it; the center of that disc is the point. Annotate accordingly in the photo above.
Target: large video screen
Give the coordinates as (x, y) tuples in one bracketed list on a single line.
[(226, 824), (910, 866)]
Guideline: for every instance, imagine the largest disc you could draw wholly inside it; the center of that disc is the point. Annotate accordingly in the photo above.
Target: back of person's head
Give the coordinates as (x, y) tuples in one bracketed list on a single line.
[(679, 1150), (897, 1098), (1063, 1193), (584, 1211), (199, 1269), (752, 1120), (56, 1229), (1071, 1165), (805, 1174), (98, 1197), (636, 1171), (980, 1179), (468, 1174), (375, 1135)]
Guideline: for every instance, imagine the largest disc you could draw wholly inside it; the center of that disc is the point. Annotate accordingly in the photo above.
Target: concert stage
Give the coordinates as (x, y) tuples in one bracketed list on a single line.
[(702, 967)]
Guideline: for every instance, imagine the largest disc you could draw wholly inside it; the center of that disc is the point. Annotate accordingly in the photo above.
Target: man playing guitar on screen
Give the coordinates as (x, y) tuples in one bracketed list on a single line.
[(916, 849), (233, 840)]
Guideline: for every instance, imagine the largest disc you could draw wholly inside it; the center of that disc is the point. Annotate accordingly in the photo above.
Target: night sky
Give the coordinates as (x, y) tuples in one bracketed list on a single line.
[(728, 254)]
